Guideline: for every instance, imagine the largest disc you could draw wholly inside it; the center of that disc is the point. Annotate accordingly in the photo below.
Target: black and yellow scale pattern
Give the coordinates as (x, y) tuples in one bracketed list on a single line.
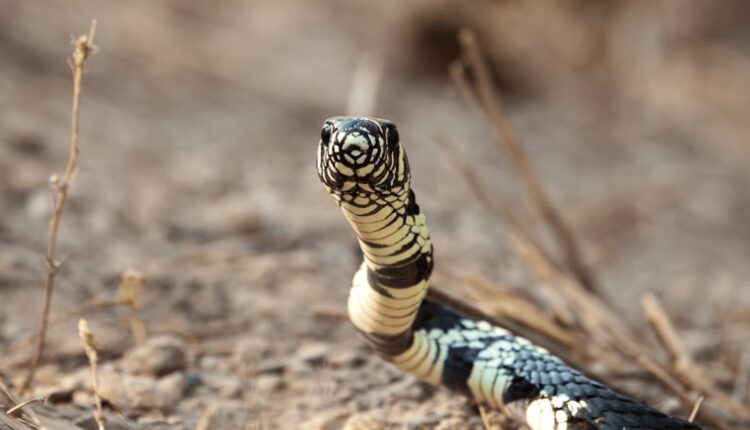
[(364, 167)]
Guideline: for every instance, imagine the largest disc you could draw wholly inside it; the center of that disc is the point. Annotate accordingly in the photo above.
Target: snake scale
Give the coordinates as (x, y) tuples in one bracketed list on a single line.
[(364, 167)]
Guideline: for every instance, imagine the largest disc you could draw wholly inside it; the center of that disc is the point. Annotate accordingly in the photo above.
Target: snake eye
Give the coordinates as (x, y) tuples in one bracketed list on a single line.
[(391, 136), (325, 133)]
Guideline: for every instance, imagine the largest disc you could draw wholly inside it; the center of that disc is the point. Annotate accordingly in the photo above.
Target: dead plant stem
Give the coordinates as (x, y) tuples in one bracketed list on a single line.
[(486, 96), (83, 47)]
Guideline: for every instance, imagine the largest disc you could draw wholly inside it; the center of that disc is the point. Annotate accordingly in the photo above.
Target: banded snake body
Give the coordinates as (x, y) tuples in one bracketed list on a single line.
[(364, 167)]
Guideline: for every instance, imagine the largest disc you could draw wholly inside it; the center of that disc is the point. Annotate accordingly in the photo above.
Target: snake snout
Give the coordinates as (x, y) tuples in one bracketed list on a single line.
[(355, 145)]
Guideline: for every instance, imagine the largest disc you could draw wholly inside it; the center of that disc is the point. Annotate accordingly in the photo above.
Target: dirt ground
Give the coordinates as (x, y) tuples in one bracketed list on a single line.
[(199, 126)]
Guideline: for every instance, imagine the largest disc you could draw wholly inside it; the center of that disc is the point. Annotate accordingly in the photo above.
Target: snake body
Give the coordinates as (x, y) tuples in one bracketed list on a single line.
[(364, 167)]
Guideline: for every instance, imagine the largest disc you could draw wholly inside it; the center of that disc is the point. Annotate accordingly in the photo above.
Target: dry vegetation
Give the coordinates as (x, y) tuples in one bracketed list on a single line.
[(608, 221)]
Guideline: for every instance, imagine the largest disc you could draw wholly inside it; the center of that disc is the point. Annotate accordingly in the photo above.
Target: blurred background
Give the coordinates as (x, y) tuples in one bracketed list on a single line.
[(199, 125)]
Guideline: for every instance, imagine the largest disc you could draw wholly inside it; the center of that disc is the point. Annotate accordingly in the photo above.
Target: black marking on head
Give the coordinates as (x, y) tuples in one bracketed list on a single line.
[(391, 134), (412, 208), (325, 132)]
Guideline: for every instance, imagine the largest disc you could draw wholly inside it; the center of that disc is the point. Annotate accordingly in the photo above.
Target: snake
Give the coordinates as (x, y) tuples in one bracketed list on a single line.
[(364, 167)]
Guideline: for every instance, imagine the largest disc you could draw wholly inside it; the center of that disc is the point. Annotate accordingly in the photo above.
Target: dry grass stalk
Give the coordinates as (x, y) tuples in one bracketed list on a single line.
[(519, 309), (691, 374), (15, 353), (207, 419), (602, 325), (696, 408), (335, 312), (497, 210), (9, 395), (487, 421), (608, 338), (23, 404), (9, 423), (132, 283), (657, 317), (88, 340), (6, 392), (83, 48), (485, 96)]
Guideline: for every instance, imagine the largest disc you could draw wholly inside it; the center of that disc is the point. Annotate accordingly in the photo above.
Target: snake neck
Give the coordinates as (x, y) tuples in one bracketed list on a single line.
[(391, 284)]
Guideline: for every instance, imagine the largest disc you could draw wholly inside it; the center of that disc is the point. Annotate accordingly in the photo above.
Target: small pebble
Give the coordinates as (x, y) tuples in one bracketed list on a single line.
[(313, 353), (156, 357), (268, 383)]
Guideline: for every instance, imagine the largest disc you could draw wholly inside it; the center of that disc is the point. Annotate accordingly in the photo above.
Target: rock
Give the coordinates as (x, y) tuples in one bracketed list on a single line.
[(212, 363), (364, 422), (429, 420), (271, 365), (453, 423), (268, 383), (226, 386), (172, 388), (142, 393), (111, 422), (231, 388), (84, 399), (313, 353), (346, 358), (156, 423), (52, 422), (250, 350), (308, 358), (327, 420), (156, 357)]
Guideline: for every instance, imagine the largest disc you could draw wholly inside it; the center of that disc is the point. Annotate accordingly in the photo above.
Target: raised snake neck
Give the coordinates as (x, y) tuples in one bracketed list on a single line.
[(363, 165)]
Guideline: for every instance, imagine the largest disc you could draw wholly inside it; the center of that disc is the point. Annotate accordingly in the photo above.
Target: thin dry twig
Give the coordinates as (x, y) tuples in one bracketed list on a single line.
[(604, 327), (445, 297), (132, 283), (7, 393), (207, 419), (88, 340), (10, 423), (514, 230), (573, 303), (330, 311), (520, 310), (485, 96), (23, 404), (657, 317), (696, 408), (689, 372), (14, 355), (83, 48), (487, 421)]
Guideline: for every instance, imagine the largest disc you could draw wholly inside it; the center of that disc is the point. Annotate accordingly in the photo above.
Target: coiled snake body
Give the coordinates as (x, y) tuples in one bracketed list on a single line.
[(362, 164)]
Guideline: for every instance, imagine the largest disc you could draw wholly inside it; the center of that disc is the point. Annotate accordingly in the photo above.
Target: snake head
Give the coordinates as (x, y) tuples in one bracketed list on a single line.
[(361, 154)]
